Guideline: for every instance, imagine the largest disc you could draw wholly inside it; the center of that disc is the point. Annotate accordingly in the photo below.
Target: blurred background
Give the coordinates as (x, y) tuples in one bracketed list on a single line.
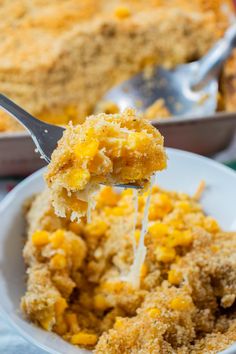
[(59, 58)]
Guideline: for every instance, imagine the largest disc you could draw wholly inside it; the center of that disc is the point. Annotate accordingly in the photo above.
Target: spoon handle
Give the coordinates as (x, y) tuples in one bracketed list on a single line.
[(210, 64)]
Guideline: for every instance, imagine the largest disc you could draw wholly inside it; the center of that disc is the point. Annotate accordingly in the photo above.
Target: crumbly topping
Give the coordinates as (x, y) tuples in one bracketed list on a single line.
[(186, 298)]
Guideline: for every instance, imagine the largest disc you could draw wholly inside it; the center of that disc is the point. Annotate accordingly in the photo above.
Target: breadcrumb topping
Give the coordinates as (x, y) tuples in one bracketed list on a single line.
[(186, 300)]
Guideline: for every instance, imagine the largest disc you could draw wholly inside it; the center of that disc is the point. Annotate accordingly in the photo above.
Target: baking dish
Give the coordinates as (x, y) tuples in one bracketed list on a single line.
[(203, 135)]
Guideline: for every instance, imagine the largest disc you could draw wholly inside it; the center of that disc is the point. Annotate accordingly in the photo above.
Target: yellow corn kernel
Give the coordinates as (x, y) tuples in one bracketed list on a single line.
[(75, 227), (184, 206), (122, 12), (117, 211), (60, 306), (137, 234), (175, 277), (108, 197), (107, 211), (165, 200), (100, 302), (176, 223), (141, 202), (165, 254), (60, 327), (96, 228), (57, 238), (95, 164), (137, 141), (186, 239), (174, 238), (40, 238), (180, 238), (78, 250), (58, 262), (86, 150), (156, 212), (155, 189), (118, 323), (90, 132), (144, 270), (77, 178), (211, 225), (181, 303), (83, 338), (46, 323), (72, 322), (158, 229), (125, 204), (126, 192), (113, 286), (154, 312)]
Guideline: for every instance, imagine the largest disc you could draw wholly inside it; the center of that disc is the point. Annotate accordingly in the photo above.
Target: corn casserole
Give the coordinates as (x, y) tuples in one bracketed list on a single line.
[(58, 58), (185, 302)]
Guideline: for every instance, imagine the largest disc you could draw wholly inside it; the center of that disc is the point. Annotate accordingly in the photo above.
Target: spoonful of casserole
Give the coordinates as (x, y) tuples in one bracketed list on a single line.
[(119, 149)]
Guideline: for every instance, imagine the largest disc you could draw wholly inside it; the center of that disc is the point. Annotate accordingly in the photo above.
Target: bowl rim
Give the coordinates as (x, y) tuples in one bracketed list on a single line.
[(9, 199)]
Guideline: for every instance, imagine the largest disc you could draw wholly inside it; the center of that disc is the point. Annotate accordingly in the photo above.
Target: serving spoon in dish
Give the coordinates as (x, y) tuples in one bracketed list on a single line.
[(44, 135), (188, 90)]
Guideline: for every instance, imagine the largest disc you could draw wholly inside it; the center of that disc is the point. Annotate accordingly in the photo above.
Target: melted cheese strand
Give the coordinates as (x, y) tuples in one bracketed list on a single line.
[(135, 201), (91, 206), (89, 210), (133, 276)]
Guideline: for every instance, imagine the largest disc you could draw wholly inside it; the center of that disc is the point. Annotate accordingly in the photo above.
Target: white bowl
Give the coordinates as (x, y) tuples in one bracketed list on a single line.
[(185, 170)]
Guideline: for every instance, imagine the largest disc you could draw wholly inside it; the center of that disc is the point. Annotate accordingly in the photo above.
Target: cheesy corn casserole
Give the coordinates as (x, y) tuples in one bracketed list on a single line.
[(186, 299), (109, 149)]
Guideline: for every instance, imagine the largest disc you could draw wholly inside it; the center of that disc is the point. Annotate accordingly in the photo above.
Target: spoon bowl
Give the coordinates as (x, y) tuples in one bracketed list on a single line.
[(188, 90), (171, 85)]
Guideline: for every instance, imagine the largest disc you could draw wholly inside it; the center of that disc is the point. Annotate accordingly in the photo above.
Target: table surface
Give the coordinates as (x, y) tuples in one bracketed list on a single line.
[(10, 341)]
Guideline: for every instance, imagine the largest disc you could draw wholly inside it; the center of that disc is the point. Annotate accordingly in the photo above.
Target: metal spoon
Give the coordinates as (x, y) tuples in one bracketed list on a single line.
[(44, 135), (189, 89)]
